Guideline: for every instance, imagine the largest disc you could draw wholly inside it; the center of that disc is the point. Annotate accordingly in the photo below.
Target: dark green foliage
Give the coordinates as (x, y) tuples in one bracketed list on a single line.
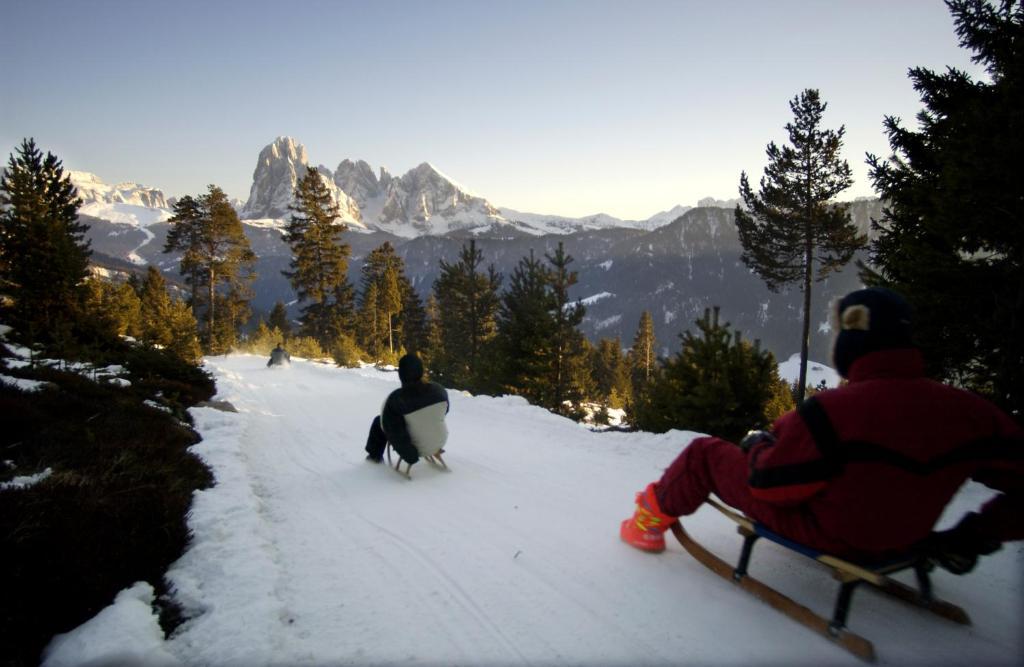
[(164, 321), (643, 363), (718, 384), (113, 309), (569, 371), (467, 306), (278, 319), (43, 254), (952, 236), (113, 510), (217, 261), (186, 235), (792, 231), (543, 355), (415, 326), (525, 331), (319, 264), (611, 373), (389, 309)]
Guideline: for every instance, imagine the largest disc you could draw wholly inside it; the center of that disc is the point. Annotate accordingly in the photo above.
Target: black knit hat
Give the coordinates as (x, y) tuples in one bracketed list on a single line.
[(410, 369), (870, 320)]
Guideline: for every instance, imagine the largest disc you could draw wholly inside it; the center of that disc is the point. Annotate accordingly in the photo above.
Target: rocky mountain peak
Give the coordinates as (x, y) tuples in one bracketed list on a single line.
[(278, 169), (358, 181)]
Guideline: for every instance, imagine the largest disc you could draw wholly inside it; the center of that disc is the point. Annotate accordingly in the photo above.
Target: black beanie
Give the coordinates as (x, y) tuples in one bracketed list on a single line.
[(410, 369), (870, 320)]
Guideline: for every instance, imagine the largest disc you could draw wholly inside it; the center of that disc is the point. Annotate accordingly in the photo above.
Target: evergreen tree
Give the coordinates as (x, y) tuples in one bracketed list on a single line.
[(369, 324), (569, 378), (525, 332), (467, 302), (44, 256), (951, 238), (643, 366), (643, 358), (386, 292), (611, 372), (718, 384), (164, 321), (278, 319), (155, 309), (114, 308), (185, 235), (434, 348), (319, 264), (542, 354), (413, 321), (182, 327), (390, 302), (792, 230), (217, 262)]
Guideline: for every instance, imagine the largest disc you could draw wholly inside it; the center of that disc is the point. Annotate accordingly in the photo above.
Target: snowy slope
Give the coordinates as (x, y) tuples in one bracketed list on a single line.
[(304, 553)]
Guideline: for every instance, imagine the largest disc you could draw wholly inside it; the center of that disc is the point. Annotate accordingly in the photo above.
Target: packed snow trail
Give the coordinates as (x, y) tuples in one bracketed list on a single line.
[(305, 553)]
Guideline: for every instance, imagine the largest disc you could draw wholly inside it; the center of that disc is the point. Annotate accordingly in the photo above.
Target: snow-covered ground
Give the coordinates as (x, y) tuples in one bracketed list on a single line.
[(306, 554)]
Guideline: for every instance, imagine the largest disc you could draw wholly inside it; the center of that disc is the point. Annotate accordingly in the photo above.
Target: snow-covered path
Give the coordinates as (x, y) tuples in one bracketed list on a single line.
[(305, 553)]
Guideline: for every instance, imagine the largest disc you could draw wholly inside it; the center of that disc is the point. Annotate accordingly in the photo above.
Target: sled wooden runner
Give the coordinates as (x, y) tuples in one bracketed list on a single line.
[(850, 575), (433, 459)]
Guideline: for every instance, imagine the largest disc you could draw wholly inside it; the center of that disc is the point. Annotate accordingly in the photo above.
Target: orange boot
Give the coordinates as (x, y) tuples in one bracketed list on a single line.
[(647, 527)]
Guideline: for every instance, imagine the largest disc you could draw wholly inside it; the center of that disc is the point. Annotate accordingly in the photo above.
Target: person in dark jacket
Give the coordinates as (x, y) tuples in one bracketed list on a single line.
[(865, 470), (412, 418), (279, 356)]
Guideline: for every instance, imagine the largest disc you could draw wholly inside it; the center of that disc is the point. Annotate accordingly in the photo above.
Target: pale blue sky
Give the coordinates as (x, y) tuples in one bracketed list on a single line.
[(547, 106)]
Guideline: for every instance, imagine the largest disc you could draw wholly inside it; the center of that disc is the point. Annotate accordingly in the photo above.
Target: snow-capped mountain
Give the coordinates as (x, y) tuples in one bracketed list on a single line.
[(423, 201), (278, 170), (92, 189)]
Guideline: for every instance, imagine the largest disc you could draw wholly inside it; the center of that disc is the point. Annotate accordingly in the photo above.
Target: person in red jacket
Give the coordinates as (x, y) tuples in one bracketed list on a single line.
[(865, 470)]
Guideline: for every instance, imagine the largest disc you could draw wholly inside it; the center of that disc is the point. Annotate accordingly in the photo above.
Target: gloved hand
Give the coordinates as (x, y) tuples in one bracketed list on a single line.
[(755, 437), (958, 548)]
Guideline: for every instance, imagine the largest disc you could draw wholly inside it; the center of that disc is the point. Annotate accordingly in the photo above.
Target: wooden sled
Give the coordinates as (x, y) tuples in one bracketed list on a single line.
[(433, 459), (850, 576)]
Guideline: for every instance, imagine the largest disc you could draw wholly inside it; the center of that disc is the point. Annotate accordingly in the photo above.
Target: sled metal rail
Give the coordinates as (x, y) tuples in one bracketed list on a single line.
[(849, 574)]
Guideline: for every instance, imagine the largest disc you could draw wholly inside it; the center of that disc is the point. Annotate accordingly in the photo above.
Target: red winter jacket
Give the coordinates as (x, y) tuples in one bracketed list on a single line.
[(876, 461)]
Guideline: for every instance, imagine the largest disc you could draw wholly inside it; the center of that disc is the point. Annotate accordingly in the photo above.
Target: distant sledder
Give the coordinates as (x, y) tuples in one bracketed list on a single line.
[(279, 357), (412, 420), (855, 477)]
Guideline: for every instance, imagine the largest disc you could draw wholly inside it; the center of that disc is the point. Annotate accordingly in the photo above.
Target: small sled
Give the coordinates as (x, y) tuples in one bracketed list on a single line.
[(850, 576), (433, 459)]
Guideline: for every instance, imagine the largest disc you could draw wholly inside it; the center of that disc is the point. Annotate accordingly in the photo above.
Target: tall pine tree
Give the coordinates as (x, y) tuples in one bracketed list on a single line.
[(643, 365), (388, 305), (525, 332), (217, 262), (568, 368), (611, 373), (951, 238), (44, 257), (542, 353), (467, 305), (792, 230), (319, 264)]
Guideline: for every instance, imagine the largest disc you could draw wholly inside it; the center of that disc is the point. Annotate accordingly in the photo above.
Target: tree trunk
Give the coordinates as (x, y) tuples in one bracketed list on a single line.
[(212, 293), (805, 338)]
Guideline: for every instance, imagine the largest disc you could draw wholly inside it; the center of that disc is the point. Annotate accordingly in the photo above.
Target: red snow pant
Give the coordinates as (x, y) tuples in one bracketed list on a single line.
[(711, 465)]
